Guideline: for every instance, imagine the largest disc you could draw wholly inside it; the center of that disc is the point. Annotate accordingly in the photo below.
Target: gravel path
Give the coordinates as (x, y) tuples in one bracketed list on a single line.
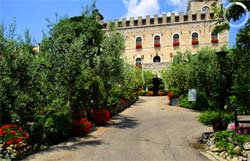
[(148, 131)]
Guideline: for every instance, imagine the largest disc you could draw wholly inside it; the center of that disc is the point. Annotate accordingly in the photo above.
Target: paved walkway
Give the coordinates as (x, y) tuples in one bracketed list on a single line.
[(148, 131)]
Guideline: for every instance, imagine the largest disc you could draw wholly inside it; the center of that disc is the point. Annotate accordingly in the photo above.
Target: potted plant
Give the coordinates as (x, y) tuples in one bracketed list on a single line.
[(219, 121)]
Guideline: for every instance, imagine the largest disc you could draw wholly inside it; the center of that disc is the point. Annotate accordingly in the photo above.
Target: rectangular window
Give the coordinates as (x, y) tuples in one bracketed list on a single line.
[(185, 18), (143, 22), (127, 23), (136, 22), (177, 19), (160, 20), (194, 18), (151, 21), (203, 16), (168, 19)]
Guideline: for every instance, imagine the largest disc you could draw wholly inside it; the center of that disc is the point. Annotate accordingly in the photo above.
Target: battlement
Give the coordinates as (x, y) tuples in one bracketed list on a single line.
[(159, 20)]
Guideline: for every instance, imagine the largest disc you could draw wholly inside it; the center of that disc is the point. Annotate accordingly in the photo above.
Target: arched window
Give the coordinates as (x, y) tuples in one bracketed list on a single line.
[(204, 9), (176, 40), (195, 38), (138, 62), (157, 41), (214, 37), (138, 43), (157, 59)]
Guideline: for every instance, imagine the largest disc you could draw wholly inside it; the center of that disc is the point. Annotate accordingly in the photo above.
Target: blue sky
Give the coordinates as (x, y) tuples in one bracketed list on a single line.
[(32, 14)]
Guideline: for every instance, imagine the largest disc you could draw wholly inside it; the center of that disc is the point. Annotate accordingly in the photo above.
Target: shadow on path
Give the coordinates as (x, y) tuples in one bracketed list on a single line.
[(121, 121)]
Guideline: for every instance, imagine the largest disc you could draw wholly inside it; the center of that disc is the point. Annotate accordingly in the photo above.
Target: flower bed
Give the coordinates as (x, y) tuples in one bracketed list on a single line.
[(176, 43), (157, 44), (195, 42), (150, 93), (214, 41), (81, 126), (138, 46), (12, 140), (100, 116)]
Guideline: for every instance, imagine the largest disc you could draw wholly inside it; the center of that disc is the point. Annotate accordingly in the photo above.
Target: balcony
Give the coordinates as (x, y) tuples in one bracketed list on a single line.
[(155, 67)]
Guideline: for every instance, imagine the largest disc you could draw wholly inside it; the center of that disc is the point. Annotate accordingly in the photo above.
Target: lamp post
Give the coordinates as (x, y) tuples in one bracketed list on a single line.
[(221, 55)]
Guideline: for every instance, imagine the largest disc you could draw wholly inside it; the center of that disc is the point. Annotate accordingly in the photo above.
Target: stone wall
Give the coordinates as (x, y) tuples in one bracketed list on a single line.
[(166, 26)]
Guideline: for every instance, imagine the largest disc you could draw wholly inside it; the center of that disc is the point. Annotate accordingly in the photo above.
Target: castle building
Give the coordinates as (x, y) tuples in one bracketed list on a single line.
[(151, 42)]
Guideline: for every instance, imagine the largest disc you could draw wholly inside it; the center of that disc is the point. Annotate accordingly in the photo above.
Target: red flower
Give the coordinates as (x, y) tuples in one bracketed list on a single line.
[(176, 43), (13, 132), (26, 135), (9, 142), (157, 44), (19, 140), (138, 46), (6, 126), (83, 120), (195, 42), (214, 41), (2, 132)]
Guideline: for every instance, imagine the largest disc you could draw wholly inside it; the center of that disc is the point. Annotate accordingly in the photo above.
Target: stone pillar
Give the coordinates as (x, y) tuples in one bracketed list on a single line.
[(108, 24), (123, 22), (172, 20), (116, 23), (164, 18), (147, 20), (155, 19), (198, 15), (190, 17), (181, 17), (139, 20), (131, 21), (207, 15)]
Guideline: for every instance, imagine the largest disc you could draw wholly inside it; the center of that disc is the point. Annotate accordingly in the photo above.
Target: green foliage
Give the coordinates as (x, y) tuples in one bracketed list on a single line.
[(51, 125), (143, 93), (228, 140), (161, 86), (150, 87), (210, 117), (241, 63)]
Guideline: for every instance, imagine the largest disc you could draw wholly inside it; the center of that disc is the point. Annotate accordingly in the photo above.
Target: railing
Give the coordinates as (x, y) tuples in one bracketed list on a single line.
[(155, 67)]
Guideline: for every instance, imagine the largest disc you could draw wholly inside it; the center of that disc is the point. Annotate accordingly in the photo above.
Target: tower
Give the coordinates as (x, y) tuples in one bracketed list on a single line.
[(201, 5)]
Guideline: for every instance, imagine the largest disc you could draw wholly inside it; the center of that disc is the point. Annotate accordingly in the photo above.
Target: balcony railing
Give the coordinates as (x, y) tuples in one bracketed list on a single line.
[(155, 66)]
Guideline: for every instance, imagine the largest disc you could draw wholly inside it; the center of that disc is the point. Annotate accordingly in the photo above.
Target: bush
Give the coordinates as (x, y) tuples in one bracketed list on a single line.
[(185, 103), (212, 117), (161, 87), (51, 126), (228, 140), (143, 93), (150, 87), (12, 138)]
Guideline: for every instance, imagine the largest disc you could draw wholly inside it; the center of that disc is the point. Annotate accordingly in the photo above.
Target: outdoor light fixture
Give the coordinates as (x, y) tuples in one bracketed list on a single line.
[(221, 55)]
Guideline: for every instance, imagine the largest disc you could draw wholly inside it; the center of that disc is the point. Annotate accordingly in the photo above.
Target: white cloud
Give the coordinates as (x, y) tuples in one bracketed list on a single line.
[(137, 8), (179, 5)]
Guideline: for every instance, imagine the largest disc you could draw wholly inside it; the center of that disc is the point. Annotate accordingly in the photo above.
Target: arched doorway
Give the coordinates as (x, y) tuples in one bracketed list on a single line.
[(156, 82), (138, 62), (156, 59)]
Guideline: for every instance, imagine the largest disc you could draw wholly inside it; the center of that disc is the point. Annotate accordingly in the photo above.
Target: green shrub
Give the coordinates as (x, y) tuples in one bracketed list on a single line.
[(228, 140), (210, 117), (150, 87), (185, 103), (161, 87), (143, 93), (51, 126)]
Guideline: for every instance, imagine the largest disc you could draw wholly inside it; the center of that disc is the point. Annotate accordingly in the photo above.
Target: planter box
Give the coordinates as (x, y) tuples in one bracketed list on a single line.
[(174, 101)]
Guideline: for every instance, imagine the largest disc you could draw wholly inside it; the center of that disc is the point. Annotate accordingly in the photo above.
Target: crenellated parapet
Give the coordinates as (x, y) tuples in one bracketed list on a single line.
[(173, 18)]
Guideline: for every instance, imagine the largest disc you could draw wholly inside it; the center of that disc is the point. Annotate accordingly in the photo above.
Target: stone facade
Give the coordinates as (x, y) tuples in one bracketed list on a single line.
[(198, 20)]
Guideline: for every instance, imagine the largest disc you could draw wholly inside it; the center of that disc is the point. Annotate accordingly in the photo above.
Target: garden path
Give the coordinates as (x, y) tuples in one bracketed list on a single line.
[(150, 130)]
